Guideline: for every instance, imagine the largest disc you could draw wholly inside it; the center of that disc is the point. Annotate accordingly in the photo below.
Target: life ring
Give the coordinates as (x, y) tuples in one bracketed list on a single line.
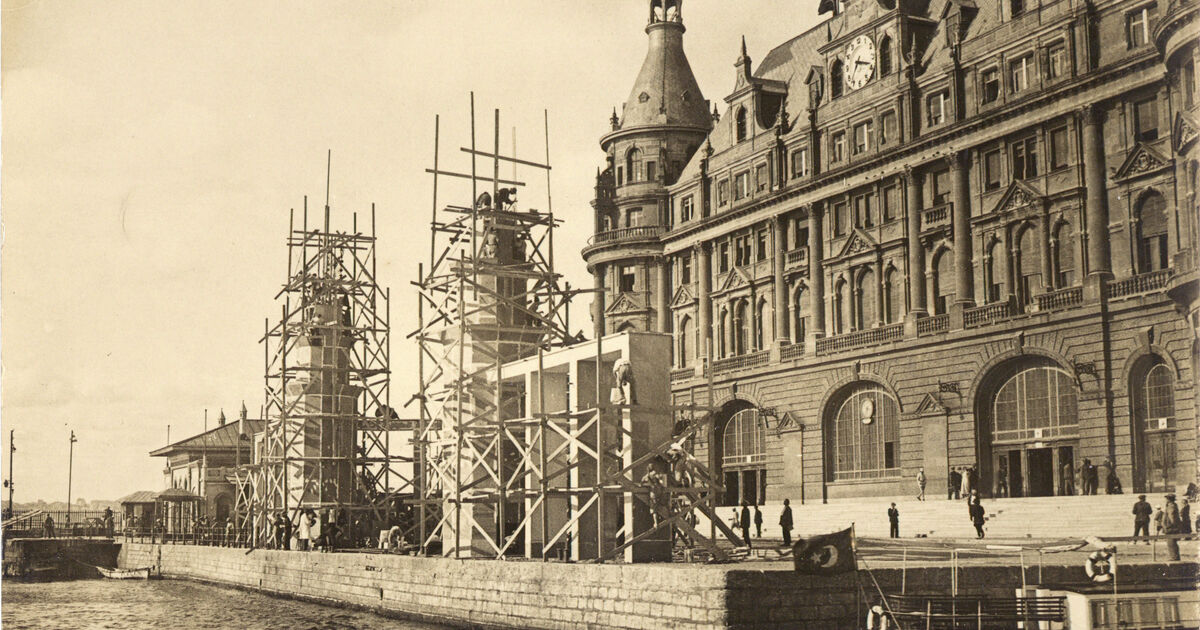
[(876, 620), (1101, 566)]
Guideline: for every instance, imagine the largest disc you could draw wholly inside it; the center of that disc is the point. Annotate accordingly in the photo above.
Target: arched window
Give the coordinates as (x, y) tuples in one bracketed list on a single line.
[(800, 311), (1064, 256), (835, 78), (943, 282), (868, 300), (840, 306), (685, 340), (744, 442), (894, 298), (864, 434), (741, 327), (761, 329), (633, 165), (994, 270), (1028, 267), (1152, 233), (885, 56), (1154, 395), (741, 124), (1037, 402), (1152, 402)]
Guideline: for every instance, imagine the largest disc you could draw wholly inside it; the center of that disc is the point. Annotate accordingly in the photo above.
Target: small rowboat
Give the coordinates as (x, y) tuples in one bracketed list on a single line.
[(143, 573)]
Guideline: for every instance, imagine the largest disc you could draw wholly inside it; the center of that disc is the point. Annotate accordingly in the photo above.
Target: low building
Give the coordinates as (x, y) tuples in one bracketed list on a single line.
[(204, 464)]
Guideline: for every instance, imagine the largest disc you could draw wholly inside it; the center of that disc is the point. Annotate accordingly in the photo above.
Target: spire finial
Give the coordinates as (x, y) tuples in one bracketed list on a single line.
[(743, 45)]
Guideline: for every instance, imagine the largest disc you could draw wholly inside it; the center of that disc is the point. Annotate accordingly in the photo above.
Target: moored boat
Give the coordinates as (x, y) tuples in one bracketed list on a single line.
[(143, 573)]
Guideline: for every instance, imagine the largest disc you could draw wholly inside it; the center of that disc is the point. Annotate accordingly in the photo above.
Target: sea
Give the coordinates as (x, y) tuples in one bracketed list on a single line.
[(173, 604)]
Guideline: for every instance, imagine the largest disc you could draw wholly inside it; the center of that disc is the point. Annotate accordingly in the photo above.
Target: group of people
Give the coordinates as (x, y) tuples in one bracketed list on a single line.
[(1170, 518), (310, 532), (743, 521), (962, 481)]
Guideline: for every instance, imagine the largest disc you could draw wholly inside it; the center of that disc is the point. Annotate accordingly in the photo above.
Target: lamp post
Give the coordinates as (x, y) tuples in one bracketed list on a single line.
[(70, 466)]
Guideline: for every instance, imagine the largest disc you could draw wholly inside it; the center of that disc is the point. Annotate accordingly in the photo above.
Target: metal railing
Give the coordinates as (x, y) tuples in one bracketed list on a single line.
[(858, 339), (932, 325), (629, 233), (222, 536), (1063, 298), (792, 351), (1141, 283), (32, 524), (974, 612), (741, 361), (988, 313)]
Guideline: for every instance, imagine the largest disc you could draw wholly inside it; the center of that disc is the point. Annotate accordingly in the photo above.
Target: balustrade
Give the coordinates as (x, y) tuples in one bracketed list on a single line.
[(987, 314), (858, 339), (936, 216), (629, 233), (932, 325), (1141, 283), (792, 351), (1063, 298), (741, 361)]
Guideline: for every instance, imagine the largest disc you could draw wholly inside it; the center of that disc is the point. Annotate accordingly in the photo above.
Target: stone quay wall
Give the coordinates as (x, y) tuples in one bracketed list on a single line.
[(530, 594)]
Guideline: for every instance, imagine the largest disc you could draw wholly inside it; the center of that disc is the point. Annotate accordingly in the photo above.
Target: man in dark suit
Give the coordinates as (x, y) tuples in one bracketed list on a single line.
[(785, 523), (744, 522), (954, 484), (1141, 516), (894, 519)]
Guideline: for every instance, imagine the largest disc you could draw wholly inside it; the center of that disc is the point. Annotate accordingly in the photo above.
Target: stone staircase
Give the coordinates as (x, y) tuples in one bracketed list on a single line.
[(1036, 517)]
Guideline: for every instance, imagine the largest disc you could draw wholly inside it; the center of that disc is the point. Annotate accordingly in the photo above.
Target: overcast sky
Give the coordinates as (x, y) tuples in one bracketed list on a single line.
[(151, 151)]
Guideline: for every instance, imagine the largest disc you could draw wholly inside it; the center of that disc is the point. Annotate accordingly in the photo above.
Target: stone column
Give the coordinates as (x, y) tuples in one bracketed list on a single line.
[(704, 302), (879, 284), (1044, 243), (964, 292), (782, 333), (816, 273), (1010, 288), (598, 302), (663, 295), (916, 251), (1099, 263)]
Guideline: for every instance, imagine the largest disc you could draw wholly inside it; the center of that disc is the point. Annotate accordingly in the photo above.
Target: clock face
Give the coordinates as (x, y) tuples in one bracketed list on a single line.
[(868, 410), (860, 62)]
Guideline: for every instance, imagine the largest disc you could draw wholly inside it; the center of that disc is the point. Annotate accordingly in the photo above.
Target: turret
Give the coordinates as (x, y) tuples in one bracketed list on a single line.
[(661, 125)]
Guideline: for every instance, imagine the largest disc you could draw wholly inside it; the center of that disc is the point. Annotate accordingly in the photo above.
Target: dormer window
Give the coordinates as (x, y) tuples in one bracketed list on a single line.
[(835, 78), (1019, 73), (800, 163), (633, 165), (1016, 7), (990, 79), (741, 124), (1137, 27), (936, 106)]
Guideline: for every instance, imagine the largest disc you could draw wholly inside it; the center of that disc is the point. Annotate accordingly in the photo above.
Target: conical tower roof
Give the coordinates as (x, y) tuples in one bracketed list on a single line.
[(665, 92)]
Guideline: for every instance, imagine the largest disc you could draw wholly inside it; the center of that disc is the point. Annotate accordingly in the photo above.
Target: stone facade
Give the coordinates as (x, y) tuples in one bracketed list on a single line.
[(933, 235)]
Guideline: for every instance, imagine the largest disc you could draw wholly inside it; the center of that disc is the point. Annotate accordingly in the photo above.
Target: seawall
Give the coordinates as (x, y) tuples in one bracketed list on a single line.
[(524, 594)]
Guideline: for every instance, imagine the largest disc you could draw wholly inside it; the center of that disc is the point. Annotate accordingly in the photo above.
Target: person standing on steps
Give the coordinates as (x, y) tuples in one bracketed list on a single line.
[(976, 513), (1068, 479), (953, 484), (785, 523), (921, 484), (894, 521), (744, 521), (757, 522), (966, 483), (1171, 526), (1185, 516), (1141, 517)]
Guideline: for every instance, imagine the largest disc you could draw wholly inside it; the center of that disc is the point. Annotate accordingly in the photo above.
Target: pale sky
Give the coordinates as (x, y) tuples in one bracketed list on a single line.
[(151, 151)]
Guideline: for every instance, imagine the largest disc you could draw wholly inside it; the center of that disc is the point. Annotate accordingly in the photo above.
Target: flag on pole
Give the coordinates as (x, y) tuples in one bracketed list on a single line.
[(826, 554)]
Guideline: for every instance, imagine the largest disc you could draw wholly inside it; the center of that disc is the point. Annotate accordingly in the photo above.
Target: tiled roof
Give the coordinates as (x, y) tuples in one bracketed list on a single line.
[(141, 496), (222, 437)]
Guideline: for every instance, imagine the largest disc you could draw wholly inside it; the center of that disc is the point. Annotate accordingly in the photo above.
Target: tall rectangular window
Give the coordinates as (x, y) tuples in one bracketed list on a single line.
[(1019, 73), (761, 180), (760, 245), (1056, 60), (991, 170), (862, 137), (651, 171), (685, 269), (620, 175), (1145, 120), (887, 128), (633, 217), (990, 81), (627, 278), (687, 208), (1024, 158), (839, 219), (1137, 27), (723, 192), (941, 187), (1059, 141), (837, 147), (863, 212), (800, 162), (741, 185), (1016, 8), (724, 257), (891, 203), (936, 107)]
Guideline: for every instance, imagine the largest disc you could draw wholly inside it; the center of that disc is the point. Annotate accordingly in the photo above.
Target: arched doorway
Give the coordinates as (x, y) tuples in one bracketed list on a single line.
[(741, 447), (224, 507), (1152, 402), (862, 434), (1027, 423)]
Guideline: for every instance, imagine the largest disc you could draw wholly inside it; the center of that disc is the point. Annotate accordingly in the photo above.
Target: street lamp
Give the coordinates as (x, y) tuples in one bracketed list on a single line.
[(70, 466)]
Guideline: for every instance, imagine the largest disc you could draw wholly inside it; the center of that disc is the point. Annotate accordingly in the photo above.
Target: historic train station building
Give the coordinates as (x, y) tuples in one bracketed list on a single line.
[(923, 234)]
